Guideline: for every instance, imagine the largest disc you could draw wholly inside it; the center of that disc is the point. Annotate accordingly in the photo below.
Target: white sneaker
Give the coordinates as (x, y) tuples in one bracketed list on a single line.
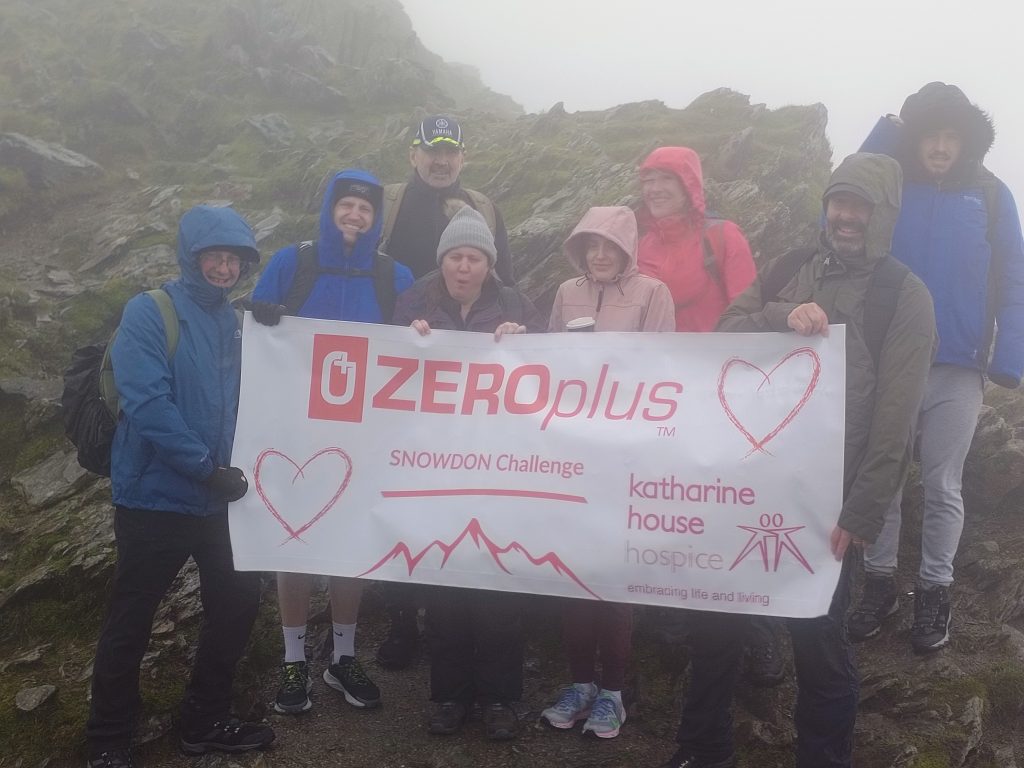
[(606, 716), (572, 706)]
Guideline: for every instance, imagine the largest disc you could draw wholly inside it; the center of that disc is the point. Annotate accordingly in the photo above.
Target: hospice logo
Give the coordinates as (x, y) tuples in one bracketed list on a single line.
[(337, 386)]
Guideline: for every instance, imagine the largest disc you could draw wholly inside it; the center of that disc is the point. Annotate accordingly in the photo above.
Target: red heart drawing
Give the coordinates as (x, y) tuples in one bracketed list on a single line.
[(760, 443), (295, 533)]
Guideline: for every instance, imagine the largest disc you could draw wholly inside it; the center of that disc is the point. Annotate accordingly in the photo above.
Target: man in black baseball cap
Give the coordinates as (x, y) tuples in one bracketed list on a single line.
[(417, 211)]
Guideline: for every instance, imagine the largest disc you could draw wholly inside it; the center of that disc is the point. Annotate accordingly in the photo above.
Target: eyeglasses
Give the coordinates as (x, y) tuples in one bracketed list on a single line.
[(212, 258)]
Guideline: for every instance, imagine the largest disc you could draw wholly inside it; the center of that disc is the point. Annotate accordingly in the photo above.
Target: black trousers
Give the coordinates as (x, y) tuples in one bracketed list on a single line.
[(476, 645), (152, 547), (828, 686)]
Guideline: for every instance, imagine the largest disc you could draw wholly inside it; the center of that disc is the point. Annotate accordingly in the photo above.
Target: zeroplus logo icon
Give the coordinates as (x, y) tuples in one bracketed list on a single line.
[(337, 383)]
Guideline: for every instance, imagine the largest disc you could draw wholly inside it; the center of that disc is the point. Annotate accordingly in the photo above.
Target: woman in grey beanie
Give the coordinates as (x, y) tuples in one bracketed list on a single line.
[(464, 294), (476, 643)]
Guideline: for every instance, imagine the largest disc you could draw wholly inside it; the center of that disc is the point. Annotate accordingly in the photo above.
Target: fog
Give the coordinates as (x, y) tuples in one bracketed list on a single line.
[(859, 59)]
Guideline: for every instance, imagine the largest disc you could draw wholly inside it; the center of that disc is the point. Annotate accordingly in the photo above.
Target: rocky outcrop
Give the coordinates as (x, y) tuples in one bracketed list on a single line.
[(44, 163)]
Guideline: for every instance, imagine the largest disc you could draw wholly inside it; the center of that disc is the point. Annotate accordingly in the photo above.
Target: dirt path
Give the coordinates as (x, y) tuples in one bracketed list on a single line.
[(335, 734)]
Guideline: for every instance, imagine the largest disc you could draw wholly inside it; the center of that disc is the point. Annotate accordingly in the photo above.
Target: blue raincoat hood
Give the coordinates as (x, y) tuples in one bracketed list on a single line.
[(205, 227), (331, 244)]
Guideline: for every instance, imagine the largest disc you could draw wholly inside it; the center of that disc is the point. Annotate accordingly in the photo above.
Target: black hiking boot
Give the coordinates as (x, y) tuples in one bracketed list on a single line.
[(500, 722), (683, 759), (350, 679), (112, 758), (227, 735), (878, 603), (931, 620), (293, 695), (447, 718)]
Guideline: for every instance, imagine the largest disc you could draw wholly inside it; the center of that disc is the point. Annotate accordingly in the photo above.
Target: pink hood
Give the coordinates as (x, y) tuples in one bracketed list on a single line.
[(616, 223)]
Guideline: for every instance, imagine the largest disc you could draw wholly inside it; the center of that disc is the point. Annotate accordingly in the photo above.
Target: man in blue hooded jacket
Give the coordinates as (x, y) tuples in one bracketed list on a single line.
[(960, 233), (344, 287), (171, 482)]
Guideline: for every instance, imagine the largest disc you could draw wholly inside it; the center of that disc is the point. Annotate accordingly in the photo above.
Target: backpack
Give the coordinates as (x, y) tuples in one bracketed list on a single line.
[(90, 403), (393, 194), (879, 300), (308, 269)]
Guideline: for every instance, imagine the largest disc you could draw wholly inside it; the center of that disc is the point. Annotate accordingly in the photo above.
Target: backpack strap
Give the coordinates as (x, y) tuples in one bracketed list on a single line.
[(779, 271), (172, 330), (384, 284), (307, 269), (710, 262), (485, 206), (170, 318), (880, 302), (393, 194)]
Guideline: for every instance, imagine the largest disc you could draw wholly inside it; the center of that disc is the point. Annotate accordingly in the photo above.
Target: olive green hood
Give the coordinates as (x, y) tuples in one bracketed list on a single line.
[(878, 179)]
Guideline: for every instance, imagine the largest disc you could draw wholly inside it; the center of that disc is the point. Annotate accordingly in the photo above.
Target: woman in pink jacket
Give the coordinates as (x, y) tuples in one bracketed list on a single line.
[(610, 289), (611, 292), (705, 262)]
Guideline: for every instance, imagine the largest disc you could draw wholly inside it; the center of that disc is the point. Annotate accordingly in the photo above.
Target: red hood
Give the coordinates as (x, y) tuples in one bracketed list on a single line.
[(685, 164)]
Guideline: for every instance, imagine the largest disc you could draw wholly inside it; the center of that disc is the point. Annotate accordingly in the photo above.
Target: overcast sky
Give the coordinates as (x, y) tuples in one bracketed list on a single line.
[(859, 59)]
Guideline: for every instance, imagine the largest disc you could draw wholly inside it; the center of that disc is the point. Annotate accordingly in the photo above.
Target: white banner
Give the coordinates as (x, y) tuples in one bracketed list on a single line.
[(689, 470)]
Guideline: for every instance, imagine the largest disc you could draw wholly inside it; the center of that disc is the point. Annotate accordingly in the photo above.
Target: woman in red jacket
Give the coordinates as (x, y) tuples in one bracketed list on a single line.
[(705, 262)]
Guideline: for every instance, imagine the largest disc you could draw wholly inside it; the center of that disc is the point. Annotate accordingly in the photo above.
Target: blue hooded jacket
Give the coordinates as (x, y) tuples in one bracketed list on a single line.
[(943, 235), (177, 419), (334, 296)]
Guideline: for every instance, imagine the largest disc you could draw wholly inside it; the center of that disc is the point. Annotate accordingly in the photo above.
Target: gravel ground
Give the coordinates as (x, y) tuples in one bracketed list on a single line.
[(394, 736)]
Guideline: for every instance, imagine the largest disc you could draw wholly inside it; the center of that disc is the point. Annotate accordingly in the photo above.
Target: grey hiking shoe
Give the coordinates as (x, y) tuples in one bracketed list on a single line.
[(573, 705)]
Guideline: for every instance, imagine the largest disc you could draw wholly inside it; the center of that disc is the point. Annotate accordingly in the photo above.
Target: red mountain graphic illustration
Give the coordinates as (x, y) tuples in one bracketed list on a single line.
[(474, 532)]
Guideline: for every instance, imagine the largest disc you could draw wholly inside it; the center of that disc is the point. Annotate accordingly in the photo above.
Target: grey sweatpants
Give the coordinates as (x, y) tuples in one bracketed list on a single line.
[(945, 427)]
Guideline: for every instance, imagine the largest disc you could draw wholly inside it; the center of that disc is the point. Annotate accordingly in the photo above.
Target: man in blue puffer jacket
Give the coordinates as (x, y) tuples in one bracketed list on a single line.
[(960, 233), (171, 480), (343, 289)]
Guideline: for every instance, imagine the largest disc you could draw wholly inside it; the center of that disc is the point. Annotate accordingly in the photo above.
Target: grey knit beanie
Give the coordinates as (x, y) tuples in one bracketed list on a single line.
[(467, 228)]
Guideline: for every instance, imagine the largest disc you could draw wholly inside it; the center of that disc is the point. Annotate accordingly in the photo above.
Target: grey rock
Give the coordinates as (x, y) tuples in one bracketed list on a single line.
[(274, 128), (266, 226), (151, 265), (32, 389), (972, 721), (25, 659), (30, 699), (52, 480), (300, 88), (44, 163), (164, 194)]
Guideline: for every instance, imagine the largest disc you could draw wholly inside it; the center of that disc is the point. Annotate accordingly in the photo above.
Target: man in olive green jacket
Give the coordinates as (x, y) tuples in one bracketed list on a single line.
[(830, 286)]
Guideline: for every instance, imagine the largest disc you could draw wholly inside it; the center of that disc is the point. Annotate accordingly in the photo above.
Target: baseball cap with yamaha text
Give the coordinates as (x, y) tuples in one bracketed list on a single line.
[(439, 130)]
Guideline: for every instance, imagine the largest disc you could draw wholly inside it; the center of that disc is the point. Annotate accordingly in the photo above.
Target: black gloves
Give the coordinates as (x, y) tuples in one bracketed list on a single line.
[(266, 313), (227, 484)]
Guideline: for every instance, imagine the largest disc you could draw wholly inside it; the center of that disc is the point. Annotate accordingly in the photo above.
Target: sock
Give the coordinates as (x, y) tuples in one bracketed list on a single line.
[(587, 689), (344, 641), (294, 643)]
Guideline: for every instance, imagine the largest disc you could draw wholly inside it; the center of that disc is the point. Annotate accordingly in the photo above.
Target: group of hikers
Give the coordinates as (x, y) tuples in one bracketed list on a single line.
[(920, 256)]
